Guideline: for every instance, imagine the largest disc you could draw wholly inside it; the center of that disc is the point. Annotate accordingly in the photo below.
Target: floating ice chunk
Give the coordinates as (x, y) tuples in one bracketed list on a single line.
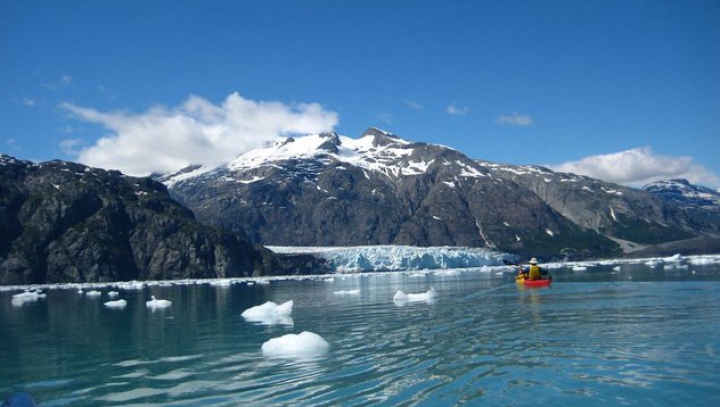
[(579, 268), (428, 296), (700, 261), (21, 299), (270, 313), (113, 294), (674, 259), (303, 345), (653, 263), (116, 304), (93, 293), (133, 285), (155, 303), (347, 292)]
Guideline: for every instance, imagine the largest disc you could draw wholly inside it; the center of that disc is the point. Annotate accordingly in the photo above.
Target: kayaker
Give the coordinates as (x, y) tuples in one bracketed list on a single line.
[(534, 272)]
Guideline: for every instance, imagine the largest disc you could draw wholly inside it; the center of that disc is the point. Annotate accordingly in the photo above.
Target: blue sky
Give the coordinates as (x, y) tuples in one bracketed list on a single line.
[(627, 91)]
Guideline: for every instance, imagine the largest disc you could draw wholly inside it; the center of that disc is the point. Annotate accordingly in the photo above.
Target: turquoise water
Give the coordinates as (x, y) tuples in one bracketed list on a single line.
[(597, 337)]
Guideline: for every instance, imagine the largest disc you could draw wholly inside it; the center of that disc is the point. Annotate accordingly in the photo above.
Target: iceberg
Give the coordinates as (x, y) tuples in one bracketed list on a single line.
[(303, 345), (155, 303), (401, 298), (21, 299), (270, 313), (118, 304), (398, 258)]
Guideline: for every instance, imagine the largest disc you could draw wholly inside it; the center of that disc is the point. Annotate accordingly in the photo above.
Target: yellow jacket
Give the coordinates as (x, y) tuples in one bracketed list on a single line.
[(534, 273)]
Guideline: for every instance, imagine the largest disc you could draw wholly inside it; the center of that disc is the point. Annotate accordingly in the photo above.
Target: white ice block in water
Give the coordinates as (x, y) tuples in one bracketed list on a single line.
[(116, 304), (428, 296), (347, 292), (155, 303), (25, 297), (303, 345), (270, 313)]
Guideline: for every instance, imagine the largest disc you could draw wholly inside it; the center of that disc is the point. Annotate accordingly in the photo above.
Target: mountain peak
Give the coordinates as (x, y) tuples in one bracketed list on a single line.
[(381, 138)]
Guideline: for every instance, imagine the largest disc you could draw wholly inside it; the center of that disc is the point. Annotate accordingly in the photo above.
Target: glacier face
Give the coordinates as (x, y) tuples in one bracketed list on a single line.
[(398, 258)]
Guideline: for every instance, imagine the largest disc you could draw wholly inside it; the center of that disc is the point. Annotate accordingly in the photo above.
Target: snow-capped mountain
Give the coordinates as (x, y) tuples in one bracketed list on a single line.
[(686, 194), (700, 204), (332, 190)]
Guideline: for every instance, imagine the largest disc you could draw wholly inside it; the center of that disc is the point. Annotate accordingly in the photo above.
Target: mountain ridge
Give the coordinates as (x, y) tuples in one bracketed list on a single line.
[(313, 190)]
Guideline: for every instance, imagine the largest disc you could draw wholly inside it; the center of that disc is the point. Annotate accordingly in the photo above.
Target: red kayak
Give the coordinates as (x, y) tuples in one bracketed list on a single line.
[(533, 283)]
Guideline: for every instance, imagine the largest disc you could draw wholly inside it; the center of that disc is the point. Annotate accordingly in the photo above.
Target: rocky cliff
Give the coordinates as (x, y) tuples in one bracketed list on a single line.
[(65, 222)]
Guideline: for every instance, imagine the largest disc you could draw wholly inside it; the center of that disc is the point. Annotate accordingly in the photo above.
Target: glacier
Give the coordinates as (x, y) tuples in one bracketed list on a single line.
[(398, 258)]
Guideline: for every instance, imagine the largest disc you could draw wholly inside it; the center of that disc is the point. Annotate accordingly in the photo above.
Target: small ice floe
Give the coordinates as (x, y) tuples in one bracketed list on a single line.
[(674, 259), (132, 285), (21, 299), (579, 268), (303, 345), (653, 263), (401, 298), (155, 303), (117, 304), (347, 292), (270, 313), (221, 283), (113, 294), (616, 268), (704, 260), (93, 294)]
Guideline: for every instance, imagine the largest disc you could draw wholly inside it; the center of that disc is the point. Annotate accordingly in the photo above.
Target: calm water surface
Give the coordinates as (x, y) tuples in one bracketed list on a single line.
[(597, 337)]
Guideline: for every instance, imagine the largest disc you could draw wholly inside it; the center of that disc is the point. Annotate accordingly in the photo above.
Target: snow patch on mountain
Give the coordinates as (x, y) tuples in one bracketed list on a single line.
[(682, 191), (376, 151)]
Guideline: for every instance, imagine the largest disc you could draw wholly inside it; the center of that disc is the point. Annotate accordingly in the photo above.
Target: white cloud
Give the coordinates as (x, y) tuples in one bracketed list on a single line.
[(515, 119), (413, 104), (458, 111), (197, 132), (638, 167), (71, 146)]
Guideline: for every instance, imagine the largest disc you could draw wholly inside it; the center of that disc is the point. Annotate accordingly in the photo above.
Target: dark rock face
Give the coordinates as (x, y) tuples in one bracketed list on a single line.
[(379, 189), (65, 222)]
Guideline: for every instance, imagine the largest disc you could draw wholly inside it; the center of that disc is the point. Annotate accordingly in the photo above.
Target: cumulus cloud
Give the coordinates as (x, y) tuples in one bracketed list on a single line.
[(197, 132), (71, 146), (457, 111), (515, 119), (639, 166)]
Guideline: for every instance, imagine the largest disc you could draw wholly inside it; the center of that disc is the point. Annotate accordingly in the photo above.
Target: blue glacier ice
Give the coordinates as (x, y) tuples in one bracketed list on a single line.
[(398, 258)]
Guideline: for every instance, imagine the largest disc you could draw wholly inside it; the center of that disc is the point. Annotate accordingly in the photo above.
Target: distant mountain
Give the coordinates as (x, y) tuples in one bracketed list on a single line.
[(632, 217), (700, 204), (331, 190), (65, 222)]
